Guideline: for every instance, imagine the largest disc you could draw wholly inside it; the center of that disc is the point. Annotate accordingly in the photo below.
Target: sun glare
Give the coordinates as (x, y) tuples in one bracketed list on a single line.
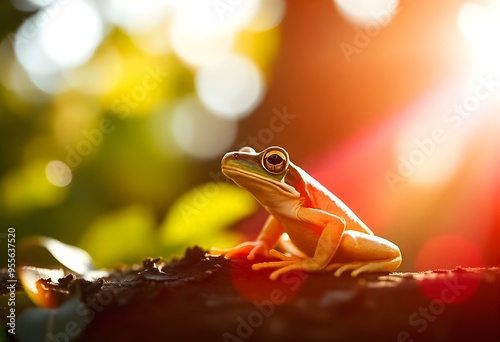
[(481, 27)]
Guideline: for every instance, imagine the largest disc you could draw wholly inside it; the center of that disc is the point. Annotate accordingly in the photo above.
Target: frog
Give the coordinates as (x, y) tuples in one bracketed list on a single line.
[(308, 228)]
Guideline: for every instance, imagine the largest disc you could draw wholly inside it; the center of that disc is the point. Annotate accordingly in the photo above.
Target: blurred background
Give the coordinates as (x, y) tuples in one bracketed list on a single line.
[(114, 116)]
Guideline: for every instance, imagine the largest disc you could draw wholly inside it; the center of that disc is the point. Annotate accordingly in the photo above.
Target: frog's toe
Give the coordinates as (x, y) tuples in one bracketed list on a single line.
[(218, 251), (277, 273), (271, 264), (309, 265), (229, 253), (278, 255), (286, 263), (358, 267), (342, 267)]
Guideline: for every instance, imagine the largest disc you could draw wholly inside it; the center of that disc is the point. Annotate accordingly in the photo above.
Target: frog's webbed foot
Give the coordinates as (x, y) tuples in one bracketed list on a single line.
[(243, 248), (282, 256), (287, 263), (249, 249)]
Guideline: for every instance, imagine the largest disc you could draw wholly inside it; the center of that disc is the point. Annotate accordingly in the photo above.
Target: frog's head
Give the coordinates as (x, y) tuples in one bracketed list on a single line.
[(268, 175)]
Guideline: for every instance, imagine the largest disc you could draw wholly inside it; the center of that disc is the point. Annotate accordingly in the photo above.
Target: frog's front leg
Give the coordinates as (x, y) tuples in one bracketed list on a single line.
[(328, 244), (267, 239)]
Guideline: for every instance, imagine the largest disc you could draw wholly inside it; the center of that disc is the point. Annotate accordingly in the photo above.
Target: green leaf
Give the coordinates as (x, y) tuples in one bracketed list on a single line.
[(124, 236), (202, 215)]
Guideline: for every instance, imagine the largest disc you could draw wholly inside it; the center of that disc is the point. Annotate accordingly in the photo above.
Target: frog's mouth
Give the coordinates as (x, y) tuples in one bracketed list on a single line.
[(259, 184)]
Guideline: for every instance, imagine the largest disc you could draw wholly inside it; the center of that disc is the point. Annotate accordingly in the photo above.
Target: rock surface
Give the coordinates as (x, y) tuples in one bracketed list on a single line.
[(209, 298)]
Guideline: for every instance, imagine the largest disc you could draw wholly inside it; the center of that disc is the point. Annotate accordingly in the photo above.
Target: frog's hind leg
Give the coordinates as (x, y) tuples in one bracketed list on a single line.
[(368, 253), (286, 246)]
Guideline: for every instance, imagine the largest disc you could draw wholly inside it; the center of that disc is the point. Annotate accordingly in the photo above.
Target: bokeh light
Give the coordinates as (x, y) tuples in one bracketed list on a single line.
[(117, 111), (71, 35), (200, 133), (105, 92), (216, 15), (58, 37), (28, 47), (197, 46), (58, 173), (270, 14), (231, 87), (16, 78), (366, 11), (27, 188), (448, 252), (137, 17), (29, 5), (99, 75)]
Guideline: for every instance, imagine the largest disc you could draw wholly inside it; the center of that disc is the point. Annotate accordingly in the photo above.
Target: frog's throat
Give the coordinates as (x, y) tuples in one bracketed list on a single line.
[(281, 186)]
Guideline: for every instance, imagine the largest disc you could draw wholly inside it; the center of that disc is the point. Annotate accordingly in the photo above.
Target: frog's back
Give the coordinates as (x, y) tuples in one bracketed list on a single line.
[(322, 198)]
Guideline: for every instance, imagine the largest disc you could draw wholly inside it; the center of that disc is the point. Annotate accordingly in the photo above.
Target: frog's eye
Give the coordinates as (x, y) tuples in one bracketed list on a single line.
[(275, 161)]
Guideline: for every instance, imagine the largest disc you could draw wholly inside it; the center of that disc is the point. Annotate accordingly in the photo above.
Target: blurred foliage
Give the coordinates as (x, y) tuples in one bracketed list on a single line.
[(109, 122), (201, 215), (132, 229)]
